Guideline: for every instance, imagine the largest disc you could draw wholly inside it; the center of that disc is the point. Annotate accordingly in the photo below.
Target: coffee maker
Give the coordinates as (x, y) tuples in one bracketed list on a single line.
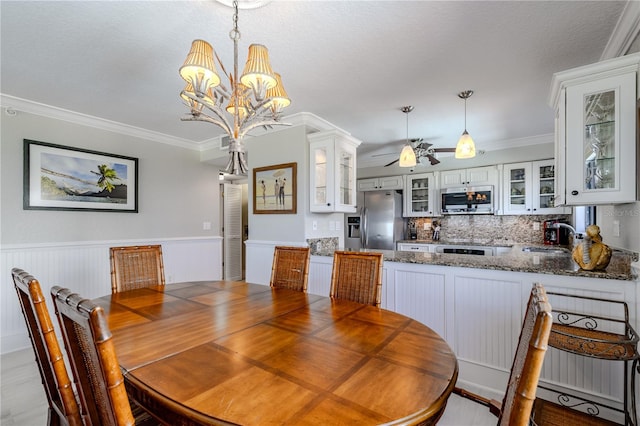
[(413, 232), (555, 236)]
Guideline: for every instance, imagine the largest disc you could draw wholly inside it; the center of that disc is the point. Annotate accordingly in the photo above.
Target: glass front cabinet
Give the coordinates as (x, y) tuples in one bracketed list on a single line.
[(529, 188), (596, 131), (332, 168), (420, 196)]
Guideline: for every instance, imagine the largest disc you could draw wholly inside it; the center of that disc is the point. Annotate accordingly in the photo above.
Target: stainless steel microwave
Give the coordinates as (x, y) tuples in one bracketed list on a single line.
[(467, 200)]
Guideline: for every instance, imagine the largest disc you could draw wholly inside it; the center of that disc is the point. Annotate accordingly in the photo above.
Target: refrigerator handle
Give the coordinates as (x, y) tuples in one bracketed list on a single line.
[(363, 235)]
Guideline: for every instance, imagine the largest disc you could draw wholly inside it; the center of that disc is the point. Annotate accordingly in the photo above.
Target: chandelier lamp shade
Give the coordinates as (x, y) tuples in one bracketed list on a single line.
[(465, 148), (254, 99), (407, 155)]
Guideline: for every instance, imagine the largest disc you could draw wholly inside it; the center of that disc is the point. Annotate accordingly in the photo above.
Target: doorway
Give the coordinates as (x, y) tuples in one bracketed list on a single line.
[(234, 229)]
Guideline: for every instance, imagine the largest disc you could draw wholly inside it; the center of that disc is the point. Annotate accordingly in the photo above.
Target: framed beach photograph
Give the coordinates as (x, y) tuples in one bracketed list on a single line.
[(274, 189), (59, 177)]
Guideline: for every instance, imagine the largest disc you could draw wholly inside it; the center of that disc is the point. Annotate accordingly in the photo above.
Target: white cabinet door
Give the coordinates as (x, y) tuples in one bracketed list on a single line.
[(601, 153), (453, 178), (543, 196), (332, 172), (381, 183), (368, 184), (420, 196), (596, 143), (391, 182), (517, 188), (528, 188), (463, 177)]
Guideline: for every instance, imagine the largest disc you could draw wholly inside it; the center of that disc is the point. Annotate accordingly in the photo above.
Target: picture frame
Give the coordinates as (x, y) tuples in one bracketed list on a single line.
[(57, 177), (270, 196)]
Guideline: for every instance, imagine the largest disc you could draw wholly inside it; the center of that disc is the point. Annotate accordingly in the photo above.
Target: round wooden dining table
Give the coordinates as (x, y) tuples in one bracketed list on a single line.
[(229, 352)]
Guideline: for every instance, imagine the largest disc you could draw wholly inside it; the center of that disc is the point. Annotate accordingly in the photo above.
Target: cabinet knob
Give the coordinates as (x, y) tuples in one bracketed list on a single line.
[(328, 204), (574, 192), (535, 210)]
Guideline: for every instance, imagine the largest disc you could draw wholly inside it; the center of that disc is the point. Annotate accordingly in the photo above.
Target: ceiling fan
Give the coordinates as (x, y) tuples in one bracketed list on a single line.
[(424, 150), (420, 151)]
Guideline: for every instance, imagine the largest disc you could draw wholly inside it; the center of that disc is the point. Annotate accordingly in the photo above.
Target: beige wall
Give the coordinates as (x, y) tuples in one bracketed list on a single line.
[(177, 192)]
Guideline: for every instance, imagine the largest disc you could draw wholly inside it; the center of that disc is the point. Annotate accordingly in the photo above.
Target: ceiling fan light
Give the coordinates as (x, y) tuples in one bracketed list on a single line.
[(407, 157), (465, 148)]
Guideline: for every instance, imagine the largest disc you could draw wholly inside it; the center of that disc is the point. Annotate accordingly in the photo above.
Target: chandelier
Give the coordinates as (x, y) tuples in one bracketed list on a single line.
[(256, 99)]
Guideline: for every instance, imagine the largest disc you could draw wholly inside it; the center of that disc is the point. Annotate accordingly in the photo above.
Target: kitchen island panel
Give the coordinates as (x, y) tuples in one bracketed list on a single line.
[(421, 296)]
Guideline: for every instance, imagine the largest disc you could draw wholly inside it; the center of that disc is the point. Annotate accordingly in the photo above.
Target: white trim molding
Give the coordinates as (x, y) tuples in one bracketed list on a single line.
[(84, 267)]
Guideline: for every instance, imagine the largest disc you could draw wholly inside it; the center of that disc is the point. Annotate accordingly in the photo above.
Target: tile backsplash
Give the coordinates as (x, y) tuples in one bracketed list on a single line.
[(485, 229)]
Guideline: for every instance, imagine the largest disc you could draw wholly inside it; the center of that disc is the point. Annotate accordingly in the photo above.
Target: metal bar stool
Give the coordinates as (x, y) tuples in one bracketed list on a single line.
[(600, 336)]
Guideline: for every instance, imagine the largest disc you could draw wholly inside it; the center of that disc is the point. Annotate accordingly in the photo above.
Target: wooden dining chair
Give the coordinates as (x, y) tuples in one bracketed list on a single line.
[(520, 395), (290, 268), (63, 407), (357, 276), (99, 382), (135, 267)]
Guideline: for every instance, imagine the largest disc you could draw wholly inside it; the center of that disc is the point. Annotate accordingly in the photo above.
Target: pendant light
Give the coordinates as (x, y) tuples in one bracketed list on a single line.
[(407, 156), (465, 147)]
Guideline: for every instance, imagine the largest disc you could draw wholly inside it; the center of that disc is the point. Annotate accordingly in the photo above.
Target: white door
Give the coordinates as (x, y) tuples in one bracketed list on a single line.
[(232, 222)]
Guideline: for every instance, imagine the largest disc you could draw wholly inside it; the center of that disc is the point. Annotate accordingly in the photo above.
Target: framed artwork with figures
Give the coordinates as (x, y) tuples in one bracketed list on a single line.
[(274, 189)]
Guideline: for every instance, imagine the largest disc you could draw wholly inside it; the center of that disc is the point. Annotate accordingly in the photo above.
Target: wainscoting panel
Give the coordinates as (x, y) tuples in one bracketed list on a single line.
[(260, 259), (84, 267), (421, 296)]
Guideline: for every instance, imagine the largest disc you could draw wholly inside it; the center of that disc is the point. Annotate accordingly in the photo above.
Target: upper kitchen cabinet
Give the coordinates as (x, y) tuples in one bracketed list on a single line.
[(463, 177), (381, 183), (332, 168), (596, 132), (529, 188), (420, 195)]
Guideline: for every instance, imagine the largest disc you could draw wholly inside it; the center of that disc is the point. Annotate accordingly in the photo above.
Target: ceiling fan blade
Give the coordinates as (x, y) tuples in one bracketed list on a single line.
[(393, 162), (382, 155), (444, 150), (433, 160)]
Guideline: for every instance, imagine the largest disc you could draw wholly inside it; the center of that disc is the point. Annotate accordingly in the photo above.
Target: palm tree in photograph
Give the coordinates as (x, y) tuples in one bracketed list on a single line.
[(107, 177)]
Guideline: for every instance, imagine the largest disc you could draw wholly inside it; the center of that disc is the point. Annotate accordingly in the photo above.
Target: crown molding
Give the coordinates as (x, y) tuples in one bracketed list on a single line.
[(12, 103), (518, 143), (625, 32), (603, 69)]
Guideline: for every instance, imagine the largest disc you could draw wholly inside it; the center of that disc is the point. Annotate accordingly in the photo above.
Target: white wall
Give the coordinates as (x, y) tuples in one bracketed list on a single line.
[(628, 218), (284, 146), (177, 193)]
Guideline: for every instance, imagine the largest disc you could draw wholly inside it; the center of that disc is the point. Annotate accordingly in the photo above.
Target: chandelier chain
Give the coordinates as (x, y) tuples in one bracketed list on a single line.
[(234, 34)]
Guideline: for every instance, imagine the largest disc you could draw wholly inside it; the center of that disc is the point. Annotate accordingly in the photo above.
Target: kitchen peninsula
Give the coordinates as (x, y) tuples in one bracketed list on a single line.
[(477, 304)]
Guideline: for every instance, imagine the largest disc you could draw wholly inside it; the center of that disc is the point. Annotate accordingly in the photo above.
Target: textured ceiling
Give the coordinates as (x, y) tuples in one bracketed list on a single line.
[(352, 63)]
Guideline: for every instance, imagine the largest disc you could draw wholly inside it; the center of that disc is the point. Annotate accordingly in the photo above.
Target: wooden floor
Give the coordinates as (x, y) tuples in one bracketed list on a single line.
[(24, 403)]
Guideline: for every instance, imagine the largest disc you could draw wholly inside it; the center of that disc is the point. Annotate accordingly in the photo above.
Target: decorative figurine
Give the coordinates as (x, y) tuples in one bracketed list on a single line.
[(592, 254)]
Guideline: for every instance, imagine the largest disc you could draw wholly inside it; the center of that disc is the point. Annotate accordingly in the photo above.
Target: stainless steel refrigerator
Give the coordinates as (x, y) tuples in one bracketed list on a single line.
[(378, 223)]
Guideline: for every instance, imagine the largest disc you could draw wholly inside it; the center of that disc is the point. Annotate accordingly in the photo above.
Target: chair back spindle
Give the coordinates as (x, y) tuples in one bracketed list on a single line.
[(290, 268), (88, 340), (357, 276), (134, 267), (527, 363), (63, 407)]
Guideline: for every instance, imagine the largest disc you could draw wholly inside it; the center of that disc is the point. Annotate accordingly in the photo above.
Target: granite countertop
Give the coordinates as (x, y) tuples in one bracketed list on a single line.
[(514, 260)]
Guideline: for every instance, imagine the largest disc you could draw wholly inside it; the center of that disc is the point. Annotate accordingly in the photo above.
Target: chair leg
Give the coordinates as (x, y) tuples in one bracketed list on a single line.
[(635, 368), (495, 407)]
